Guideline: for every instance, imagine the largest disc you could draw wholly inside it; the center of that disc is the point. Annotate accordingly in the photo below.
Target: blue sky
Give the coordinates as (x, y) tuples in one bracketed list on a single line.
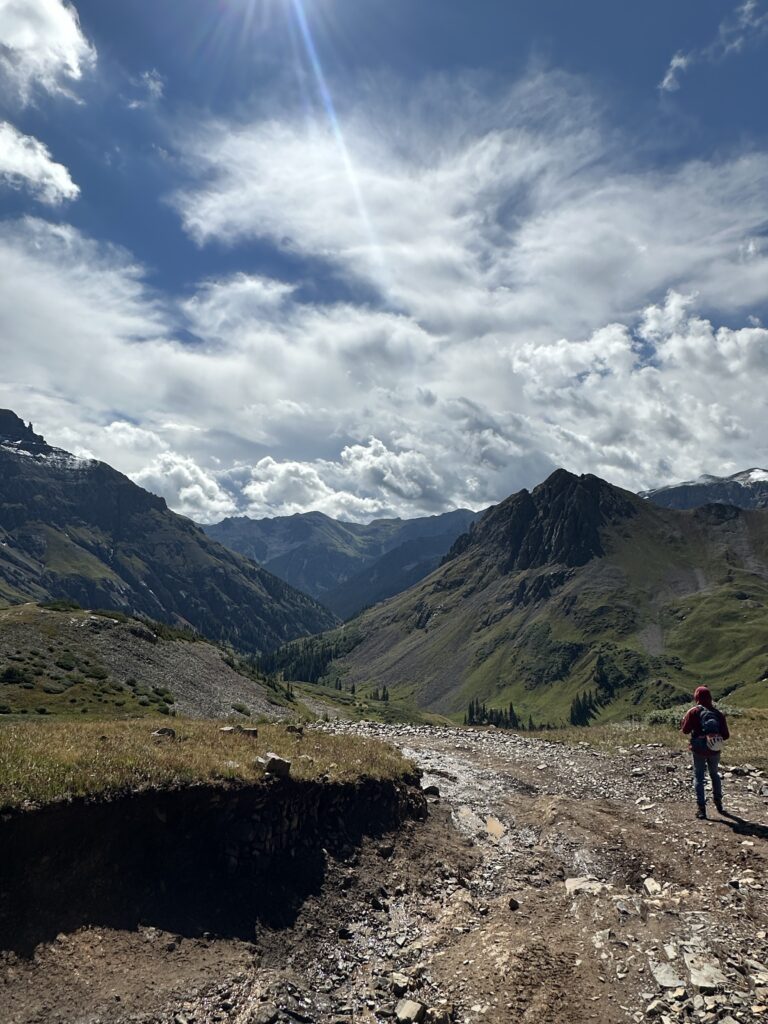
[(385, 257)]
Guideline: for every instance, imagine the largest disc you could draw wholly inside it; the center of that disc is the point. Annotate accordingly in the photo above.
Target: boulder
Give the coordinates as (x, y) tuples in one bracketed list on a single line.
[(164, 733), (275, 765), (666, 976), (408, 1011)]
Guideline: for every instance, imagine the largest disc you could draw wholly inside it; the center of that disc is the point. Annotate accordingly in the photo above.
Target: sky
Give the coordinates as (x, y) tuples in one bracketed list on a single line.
[(385, 257)]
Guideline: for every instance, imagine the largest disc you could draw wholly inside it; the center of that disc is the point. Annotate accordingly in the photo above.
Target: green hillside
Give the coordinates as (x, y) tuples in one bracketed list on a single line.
[(69, 662), (77, 529), (575, 588)]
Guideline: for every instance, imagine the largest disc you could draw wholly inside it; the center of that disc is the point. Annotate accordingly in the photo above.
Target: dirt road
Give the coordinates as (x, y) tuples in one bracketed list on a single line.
[(550, 884)]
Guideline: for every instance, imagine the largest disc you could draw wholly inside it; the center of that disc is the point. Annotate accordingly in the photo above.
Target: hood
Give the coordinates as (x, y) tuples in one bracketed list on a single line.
[(703, 696)]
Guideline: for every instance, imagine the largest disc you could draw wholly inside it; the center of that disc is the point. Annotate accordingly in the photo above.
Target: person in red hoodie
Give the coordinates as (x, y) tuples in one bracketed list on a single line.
[(708, 729)]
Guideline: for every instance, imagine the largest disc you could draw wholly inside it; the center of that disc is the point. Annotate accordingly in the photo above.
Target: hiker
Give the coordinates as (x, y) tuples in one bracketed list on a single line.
[(708, 729)]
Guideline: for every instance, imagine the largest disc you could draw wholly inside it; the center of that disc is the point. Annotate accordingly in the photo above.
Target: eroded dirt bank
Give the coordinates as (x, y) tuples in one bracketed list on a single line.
[(549, 884)]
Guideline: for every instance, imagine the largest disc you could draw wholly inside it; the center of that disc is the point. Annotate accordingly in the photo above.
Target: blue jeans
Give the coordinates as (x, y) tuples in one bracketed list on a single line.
[(703, 763)]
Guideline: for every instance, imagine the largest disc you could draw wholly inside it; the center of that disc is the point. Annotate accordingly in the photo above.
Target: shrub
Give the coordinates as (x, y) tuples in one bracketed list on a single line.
[(66, 661), (15, 675), (97, 672), (60, 605), (241, 709)]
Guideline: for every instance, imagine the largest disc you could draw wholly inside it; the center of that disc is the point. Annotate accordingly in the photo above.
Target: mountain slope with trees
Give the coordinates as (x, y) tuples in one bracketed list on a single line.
[(574, 601), (78, 529)]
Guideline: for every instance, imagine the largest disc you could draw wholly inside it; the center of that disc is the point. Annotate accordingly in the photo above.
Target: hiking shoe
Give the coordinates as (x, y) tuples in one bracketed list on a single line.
[(701, 812)]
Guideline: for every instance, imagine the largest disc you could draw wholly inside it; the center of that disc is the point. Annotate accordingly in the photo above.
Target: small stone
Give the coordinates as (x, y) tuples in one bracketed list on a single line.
[(164, 733), (408, 1011), (590, 885), (432, 791), (513, 903), (400, 983), (250, 730), (666, 976), (651, 886)]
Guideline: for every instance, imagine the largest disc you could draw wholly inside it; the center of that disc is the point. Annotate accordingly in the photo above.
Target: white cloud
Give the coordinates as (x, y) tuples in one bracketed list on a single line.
[(26, 163), (512, 215), (679, 63), (186, 487), (42, 46), (748, 23), (519, 264), (149, 89)]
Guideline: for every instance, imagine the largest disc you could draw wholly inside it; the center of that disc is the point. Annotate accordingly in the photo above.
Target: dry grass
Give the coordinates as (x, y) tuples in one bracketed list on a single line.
[(42, 762), (748, 743)]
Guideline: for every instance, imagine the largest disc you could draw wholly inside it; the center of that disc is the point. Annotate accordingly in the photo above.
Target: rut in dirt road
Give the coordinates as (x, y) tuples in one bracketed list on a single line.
[(626, 904)]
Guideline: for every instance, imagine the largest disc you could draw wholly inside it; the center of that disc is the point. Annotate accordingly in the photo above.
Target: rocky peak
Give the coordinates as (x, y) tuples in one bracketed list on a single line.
[(14, 431), (559, 522)]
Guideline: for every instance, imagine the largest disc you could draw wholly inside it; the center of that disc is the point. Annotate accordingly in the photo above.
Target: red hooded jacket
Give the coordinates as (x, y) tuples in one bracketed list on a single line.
[(691, 724)]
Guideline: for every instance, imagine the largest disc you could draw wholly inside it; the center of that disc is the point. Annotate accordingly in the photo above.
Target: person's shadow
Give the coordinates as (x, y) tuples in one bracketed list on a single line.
[(743, 827)]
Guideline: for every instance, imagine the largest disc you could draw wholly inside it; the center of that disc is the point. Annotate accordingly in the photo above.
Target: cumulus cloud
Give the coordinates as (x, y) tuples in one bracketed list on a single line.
[(26, 163), (42, 46), (186, 487), (748, 23)]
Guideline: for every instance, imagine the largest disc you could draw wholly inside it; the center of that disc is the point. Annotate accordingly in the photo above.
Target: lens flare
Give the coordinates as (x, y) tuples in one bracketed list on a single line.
[(330, 112)]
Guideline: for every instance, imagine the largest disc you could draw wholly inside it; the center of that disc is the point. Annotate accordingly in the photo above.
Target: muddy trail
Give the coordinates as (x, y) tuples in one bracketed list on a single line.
[(550, 883)]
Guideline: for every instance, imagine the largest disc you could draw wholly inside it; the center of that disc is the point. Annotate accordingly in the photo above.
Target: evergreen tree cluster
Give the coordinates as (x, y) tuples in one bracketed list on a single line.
[(381, 694), (584, 707), (307, 660), (478, 713)]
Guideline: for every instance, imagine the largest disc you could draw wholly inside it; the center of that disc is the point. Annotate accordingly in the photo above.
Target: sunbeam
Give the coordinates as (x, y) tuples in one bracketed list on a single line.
[(330, 111)]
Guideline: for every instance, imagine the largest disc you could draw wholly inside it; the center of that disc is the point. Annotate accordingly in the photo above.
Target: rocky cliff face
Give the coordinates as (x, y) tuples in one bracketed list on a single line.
[(79, 529), (560, 521)]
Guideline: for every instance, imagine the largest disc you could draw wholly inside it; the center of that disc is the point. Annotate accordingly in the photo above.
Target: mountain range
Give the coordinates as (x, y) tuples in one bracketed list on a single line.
[(346, 566), (748, 489), (78, 529), (576, 587)]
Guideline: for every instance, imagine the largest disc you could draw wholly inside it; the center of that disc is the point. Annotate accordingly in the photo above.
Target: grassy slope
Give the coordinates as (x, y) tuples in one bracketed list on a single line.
[(77, 664), (43, 762), (683, 596)]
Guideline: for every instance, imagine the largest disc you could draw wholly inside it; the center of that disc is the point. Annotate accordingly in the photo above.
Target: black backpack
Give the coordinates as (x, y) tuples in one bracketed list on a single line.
[(711, 729)]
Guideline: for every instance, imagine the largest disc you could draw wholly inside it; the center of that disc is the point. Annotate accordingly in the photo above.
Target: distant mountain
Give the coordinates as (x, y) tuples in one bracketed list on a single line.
[(347, 566), (575, 588), (748, 489), (79, 529)]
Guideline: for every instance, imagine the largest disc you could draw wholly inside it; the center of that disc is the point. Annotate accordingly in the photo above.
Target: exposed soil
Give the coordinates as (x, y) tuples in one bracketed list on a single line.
[(660, 894)]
